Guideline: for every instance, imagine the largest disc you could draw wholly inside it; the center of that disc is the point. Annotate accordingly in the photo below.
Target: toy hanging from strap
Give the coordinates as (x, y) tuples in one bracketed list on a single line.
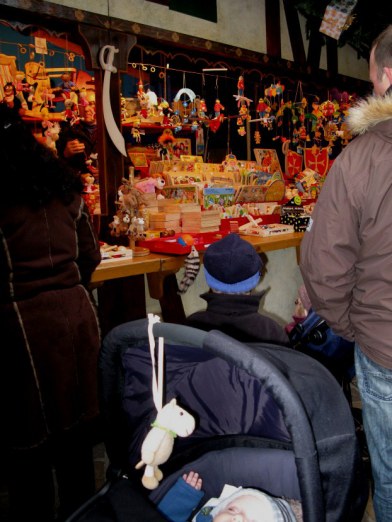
[(171, 420), (192, 268)]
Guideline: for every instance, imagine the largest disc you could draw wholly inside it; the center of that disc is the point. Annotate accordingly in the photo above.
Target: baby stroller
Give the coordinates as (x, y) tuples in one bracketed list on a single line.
[(267, 417), (314, 337)]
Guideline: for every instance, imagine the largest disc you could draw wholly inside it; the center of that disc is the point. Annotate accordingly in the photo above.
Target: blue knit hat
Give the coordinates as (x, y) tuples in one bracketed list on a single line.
[(232, 265)]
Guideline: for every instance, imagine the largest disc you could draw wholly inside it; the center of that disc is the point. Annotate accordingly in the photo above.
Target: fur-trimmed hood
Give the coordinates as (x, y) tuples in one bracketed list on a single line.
[(369, 112)]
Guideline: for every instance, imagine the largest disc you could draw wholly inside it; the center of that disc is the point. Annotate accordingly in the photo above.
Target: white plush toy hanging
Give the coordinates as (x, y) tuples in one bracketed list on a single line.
[(171, 420)]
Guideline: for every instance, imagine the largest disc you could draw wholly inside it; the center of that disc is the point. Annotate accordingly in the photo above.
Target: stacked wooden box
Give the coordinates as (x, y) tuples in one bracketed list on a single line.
[(192, 218), (200, 221), (169, 205), (151, 202), (165, 221)]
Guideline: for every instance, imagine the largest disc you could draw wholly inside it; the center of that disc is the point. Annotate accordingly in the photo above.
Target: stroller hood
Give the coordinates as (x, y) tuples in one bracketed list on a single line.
[(259, 396)]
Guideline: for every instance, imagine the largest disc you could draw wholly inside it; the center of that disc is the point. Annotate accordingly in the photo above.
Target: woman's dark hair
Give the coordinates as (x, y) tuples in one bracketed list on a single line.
[(30, 172)]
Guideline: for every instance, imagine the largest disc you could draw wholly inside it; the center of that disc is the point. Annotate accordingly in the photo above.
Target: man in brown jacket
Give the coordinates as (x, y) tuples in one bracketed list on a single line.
[(346, 260)]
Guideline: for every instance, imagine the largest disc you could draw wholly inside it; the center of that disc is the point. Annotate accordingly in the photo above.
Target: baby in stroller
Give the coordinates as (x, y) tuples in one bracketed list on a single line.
[(243, 504)]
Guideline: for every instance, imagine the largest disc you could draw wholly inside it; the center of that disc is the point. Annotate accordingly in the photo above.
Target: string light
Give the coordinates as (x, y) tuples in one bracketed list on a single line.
[(153, 68), (23, 49)]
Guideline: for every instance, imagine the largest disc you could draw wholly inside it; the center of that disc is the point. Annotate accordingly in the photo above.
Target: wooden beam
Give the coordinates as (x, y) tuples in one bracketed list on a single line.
[(314, 51), (295, 33), (111, 161), (97, 38), (332, 57), (272, 18)]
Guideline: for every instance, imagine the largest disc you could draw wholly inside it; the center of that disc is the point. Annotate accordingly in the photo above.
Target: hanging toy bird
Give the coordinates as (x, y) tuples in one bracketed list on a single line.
[(192, 267)]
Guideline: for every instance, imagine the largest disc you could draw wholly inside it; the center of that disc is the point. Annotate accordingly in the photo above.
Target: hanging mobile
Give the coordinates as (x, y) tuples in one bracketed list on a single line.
[(181, 115)]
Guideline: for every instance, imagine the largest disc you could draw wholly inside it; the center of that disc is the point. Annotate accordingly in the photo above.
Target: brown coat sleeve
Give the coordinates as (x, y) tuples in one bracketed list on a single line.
[(89, 255), (329, 251)]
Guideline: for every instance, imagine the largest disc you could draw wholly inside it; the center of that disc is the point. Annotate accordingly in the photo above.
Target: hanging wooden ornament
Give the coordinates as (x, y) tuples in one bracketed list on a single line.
[(275, 89), (183, 102), (329, 108), (188, 93)]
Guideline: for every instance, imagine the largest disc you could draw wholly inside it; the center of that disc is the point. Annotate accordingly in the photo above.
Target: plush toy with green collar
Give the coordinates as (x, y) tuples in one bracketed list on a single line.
[(171, 421)]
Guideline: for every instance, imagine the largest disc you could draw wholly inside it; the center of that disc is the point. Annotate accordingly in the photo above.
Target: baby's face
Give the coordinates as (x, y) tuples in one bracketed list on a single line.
[(246, 508)]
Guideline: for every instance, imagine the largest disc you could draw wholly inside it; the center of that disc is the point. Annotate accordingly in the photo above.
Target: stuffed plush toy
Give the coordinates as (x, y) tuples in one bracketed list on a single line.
[(158, 444), (146, 185), (159, 186)]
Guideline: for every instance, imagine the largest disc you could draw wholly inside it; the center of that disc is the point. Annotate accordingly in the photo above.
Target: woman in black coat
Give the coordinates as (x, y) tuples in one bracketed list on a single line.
[(49, 327)]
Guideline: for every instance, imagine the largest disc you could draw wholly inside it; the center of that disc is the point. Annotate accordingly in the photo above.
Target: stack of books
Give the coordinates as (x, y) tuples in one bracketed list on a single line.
[(200, 221)]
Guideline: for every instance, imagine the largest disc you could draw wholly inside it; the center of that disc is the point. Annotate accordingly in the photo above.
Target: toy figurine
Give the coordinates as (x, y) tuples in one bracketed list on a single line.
[(115, 226), (159, 186), (10, 97), (166, 142), (51, 134), (68, 88), (89, 183), (137, 228), (202, 109), (140, 90), (82, 102), (70, 114), (218, 107), (166, 111), (262, 108), (91, 194), (301, 308), (152, 102), (241, 86)]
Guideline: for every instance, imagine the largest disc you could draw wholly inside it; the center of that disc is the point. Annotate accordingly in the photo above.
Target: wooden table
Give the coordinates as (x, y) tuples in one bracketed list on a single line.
[(161, 263), (120, 282)]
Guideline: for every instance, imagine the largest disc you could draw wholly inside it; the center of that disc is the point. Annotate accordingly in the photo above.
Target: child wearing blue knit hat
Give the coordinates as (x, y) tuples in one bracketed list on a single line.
[(232, 265), (233, 269)]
